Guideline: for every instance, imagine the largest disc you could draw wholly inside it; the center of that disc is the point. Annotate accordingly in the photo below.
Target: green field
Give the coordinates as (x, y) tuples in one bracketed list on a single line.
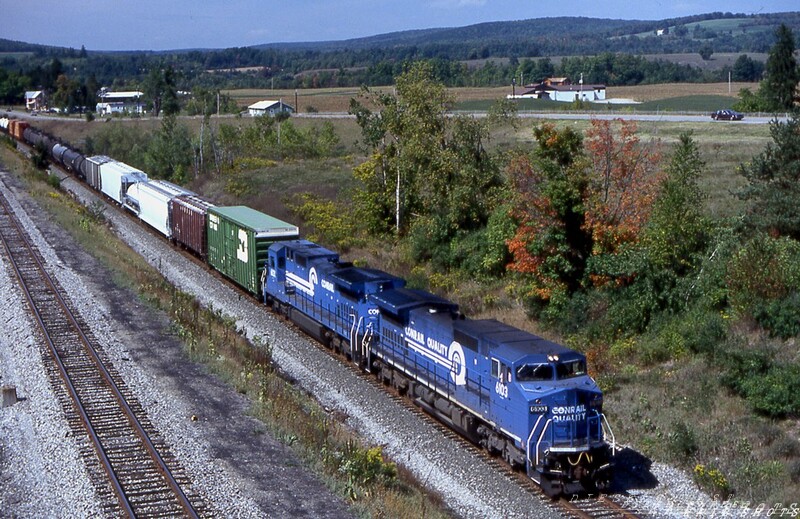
[(693, 103)]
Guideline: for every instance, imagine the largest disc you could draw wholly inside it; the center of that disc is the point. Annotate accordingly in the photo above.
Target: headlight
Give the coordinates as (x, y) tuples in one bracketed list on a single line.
[(596, 402)]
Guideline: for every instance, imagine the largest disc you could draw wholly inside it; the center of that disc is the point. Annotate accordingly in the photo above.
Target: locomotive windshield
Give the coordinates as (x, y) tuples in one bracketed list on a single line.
[(534, 372), (575, 368)]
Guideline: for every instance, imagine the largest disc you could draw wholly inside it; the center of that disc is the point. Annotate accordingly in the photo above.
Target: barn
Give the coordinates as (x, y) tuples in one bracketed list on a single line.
[(269, 108), (562, 89)]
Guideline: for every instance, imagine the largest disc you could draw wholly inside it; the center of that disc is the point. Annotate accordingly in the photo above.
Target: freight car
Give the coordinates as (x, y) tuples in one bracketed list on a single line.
[(517, 395), (188, 221), (150, 201), (238, 239), (116, 177)]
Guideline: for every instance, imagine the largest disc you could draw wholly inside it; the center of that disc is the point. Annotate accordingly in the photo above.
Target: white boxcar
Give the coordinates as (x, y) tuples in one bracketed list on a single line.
[(150, 200), (116, 177)]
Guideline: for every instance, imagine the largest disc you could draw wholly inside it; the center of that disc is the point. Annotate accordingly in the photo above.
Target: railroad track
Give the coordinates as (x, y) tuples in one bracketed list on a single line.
[(602, 506), (130, 465)]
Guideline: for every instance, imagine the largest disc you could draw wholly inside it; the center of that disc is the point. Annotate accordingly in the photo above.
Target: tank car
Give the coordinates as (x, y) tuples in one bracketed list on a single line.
[(70, 159), (518, 395), (38, 139)]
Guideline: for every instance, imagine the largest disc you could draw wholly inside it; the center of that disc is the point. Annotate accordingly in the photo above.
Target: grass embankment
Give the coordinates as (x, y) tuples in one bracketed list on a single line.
[(359, 473)]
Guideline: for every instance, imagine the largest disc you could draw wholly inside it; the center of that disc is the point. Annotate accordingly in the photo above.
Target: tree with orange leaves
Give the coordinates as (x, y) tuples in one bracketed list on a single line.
[(623, 184), (576, 199), (550, 245)]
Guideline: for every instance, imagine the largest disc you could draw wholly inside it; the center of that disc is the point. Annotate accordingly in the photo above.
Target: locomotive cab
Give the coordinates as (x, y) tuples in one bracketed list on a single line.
[(544, 410), (570, 444)]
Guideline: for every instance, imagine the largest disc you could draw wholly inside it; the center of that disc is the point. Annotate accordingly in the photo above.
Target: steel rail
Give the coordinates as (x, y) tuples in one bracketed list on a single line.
[(131, 416)]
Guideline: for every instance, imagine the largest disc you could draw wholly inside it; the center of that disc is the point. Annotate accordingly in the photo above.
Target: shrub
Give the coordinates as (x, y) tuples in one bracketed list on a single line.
[(682, 442), (329, 221), (764, 270), (776, 393), (713, 481), (429, 240), (770, 389), (365, 468), (697, 330), (780, 317)]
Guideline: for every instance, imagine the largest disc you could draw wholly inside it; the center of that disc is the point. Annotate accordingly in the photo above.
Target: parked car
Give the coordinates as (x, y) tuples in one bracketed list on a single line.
[(727, 115)]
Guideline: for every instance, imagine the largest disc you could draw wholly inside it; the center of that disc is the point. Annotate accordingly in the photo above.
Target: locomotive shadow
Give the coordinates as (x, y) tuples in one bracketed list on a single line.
[(632, 472)]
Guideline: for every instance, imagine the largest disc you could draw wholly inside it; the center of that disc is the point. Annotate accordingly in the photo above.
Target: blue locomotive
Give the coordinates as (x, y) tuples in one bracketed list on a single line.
[(517, 395)]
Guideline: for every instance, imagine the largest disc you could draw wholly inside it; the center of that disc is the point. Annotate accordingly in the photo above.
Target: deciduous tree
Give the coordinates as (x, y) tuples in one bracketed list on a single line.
[(623, 183), (429, 171), (551, 245)]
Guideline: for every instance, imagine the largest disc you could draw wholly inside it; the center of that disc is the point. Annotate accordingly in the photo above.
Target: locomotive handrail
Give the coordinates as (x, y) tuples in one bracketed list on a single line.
[(366, 350), (607, 425), (530, 437), (541, 437), (603, 426)]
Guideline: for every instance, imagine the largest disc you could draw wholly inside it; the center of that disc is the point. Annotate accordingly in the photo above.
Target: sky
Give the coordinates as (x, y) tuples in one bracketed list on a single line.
[(183, 24)]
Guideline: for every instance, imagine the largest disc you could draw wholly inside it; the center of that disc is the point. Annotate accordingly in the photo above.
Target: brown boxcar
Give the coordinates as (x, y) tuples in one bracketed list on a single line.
[(17, 128), (188, 221)]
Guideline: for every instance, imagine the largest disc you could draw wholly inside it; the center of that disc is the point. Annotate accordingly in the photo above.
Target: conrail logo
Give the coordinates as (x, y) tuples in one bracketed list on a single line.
[(569, 413), (241, 251), (304, 285), (450, 357)]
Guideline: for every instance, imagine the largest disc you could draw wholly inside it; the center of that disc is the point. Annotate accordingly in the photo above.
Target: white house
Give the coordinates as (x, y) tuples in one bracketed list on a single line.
[(561, 89), (34, 100), (269, 108), (120, 102)]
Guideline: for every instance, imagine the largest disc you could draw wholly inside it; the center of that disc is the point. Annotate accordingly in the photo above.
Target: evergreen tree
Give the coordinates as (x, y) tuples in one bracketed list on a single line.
[(747, 69), (677, 229), (779, 89), (161, 92), (169, 153), (774, 182)]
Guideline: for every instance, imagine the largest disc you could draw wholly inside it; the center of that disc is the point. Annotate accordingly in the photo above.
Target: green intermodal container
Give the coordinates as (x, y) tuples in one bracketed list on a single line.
[(238, 239)]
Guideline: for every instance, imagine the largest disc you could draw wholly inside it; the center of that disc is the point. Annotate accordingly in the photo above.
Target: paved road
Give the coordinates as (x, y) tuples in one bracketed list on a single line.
[(651, 117)]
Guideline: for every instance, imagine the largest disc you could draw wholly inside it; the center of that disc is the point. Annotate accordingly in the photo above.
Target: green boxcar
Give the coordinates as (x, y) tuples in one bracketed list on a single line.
[(238, 239)]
